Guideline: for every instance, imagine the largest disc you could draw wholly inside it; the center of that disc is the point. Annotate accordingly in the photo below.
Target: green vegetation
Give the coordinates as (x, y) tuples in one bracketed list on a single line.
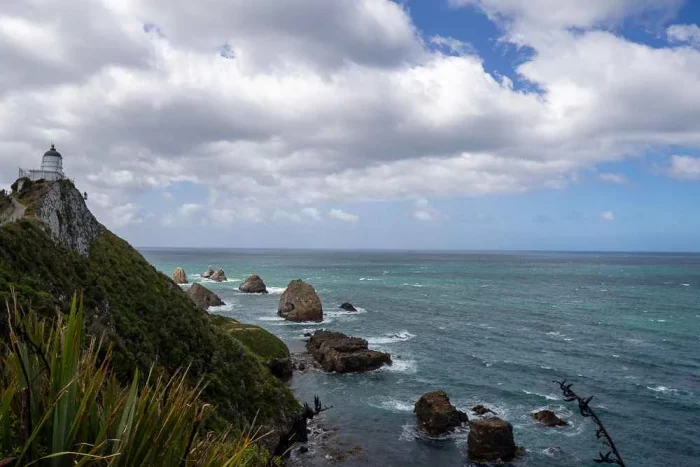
[(262, 343), (147, 319), (61, 405)]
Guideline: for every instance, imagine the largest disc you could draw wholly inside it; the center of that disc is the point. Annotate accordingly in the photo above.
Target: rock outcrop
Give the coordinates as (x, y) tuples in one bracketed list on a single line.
[(218, 276), (300, 302), (480, 410), (549, 418), (347, 306), (207, 274), (179, 276), (254, 284), (490, 439), (63, 213), (337, 352), (436, 415), (203, 297)]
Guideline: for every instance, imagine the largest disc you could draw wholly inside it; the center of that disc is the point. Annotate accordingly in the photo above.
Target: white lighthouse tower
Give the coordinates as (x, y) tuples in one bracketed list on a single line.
[(51, 167)]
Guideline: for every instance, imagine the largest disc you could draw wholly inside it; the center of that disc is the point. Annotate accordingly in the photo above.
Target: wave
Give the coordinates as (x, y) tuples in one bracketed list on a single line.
[(685, 285), (339, 312), (271, 318), (369, 279), (663, 389), (414, 285), (276, 290), (392, 338), (545, 396), (393, 405), (224, 307), (401, 366)]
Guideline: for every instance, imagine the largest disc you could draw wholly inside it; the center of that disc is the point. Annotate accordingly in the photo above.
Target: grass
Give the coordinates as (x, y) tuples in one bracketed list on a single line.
[(262, 343), (62, 405)]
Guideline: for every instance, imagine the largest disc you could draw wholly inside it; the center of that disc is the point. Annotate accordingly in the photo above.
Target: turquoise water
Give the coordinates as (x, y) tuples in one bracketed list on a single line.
[(494, 329)]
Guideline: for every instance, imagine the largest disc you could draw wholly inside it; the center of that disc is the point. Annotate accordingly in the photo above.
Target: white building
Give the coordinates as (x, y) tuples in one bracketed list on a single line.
[(51, 167)]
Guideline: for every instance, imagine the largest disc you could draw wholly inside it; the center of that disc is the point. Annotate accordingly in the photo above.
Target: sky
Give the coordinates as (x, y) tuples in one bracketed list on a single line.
[(415, 124)]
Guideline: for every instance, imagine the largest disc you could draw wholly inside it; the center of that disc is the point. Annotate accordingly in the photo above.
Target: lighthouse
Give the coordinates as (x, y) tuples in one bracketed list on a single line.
[(51, 167)]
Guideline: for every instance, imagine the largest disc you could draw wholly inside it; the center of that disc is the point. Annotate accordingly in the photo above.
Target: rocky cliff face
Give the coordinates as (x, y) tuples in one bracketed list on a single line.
[(65, 216)]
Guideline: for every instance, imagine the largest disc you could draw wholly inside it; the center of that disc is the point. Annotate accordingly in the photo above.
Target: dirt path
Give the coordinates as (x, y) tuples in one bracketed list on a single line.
[(17, 211)]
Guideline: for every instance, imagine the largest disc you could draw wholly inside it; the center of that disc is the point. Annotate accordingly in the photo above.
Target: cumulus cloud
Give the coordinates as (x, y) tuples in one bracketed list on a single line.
[(126, 215), (607, 215), (312, 213), (358, 107), (343, 216), (617, 179), (684, 167), (688, 33)]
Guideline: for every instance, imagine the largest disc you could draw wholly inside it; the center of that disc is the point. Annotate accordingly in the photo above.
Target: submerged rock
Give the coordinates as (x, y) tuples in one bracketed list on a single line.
[(179, 276), (218, 276), (436, 415), (490, 439), (347, 306), (299, 302), (254, 284), (203, 297), (480, 410), (335, 351), (207, 274), (549, 418)]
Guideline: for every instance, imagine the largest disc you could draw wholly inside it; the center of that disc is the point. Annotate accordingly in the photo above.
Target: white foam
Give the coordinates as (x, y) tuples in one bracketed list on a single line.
[(546, 396), (270, 318), (369, 279), (225, 307), (663, 389), (401, 366), (394, 405), (685, 285), (393, 338), (276, 290)]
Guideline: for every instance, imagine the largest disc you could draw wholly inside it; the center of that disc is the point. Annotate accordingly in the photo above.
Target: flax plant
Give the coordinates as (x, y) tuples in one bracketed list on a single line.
[(61, 405)]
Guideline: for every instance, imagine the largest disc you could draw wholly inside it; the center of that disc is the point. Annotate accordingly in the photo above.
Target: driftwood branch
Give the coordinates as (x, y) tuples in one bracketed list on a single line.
[(613, 455)]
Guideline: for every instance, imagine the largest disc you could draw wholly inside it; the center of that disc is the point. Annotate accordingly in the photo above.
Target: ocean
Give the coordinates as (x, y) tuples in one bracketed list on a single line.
[(489, 328)]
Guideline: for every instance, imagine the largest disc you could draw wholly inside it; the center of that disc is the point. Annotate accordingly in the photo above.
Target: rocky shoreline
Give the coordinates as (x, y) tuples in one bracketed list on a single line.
[(489, 438)]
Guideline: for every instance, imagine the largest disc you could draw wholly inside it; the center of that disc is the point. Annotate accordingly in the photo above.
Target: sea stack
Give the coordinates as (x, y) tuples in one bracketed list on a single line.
[(549, 418), (218, 276), (490, 439), (347, 306), (207, 274), (337, 352), (254, 284), (436, 415), (203, 297), (300, 303), (179, 276)]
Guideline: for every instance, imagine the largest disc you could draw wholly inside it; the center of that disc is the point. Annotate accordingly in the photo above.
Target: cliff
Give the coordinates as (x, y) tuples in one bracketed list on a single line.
[(58, 248)]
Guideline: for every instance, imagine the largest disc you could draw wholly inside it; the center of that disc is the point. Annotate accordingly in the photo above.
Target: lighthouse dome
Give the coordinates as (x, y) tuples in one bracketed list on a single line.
[(53, 153)]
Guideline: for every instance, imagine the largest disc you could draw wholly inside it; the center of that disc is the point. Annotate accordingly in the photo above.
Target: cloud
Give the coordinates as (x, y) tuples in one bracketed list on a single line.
[(343, 216), (687, 33), (617, 179), (312, 213), (607, 216), (284, 216), (424, 212), (684, 167), (363, 108), (126, 215)]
